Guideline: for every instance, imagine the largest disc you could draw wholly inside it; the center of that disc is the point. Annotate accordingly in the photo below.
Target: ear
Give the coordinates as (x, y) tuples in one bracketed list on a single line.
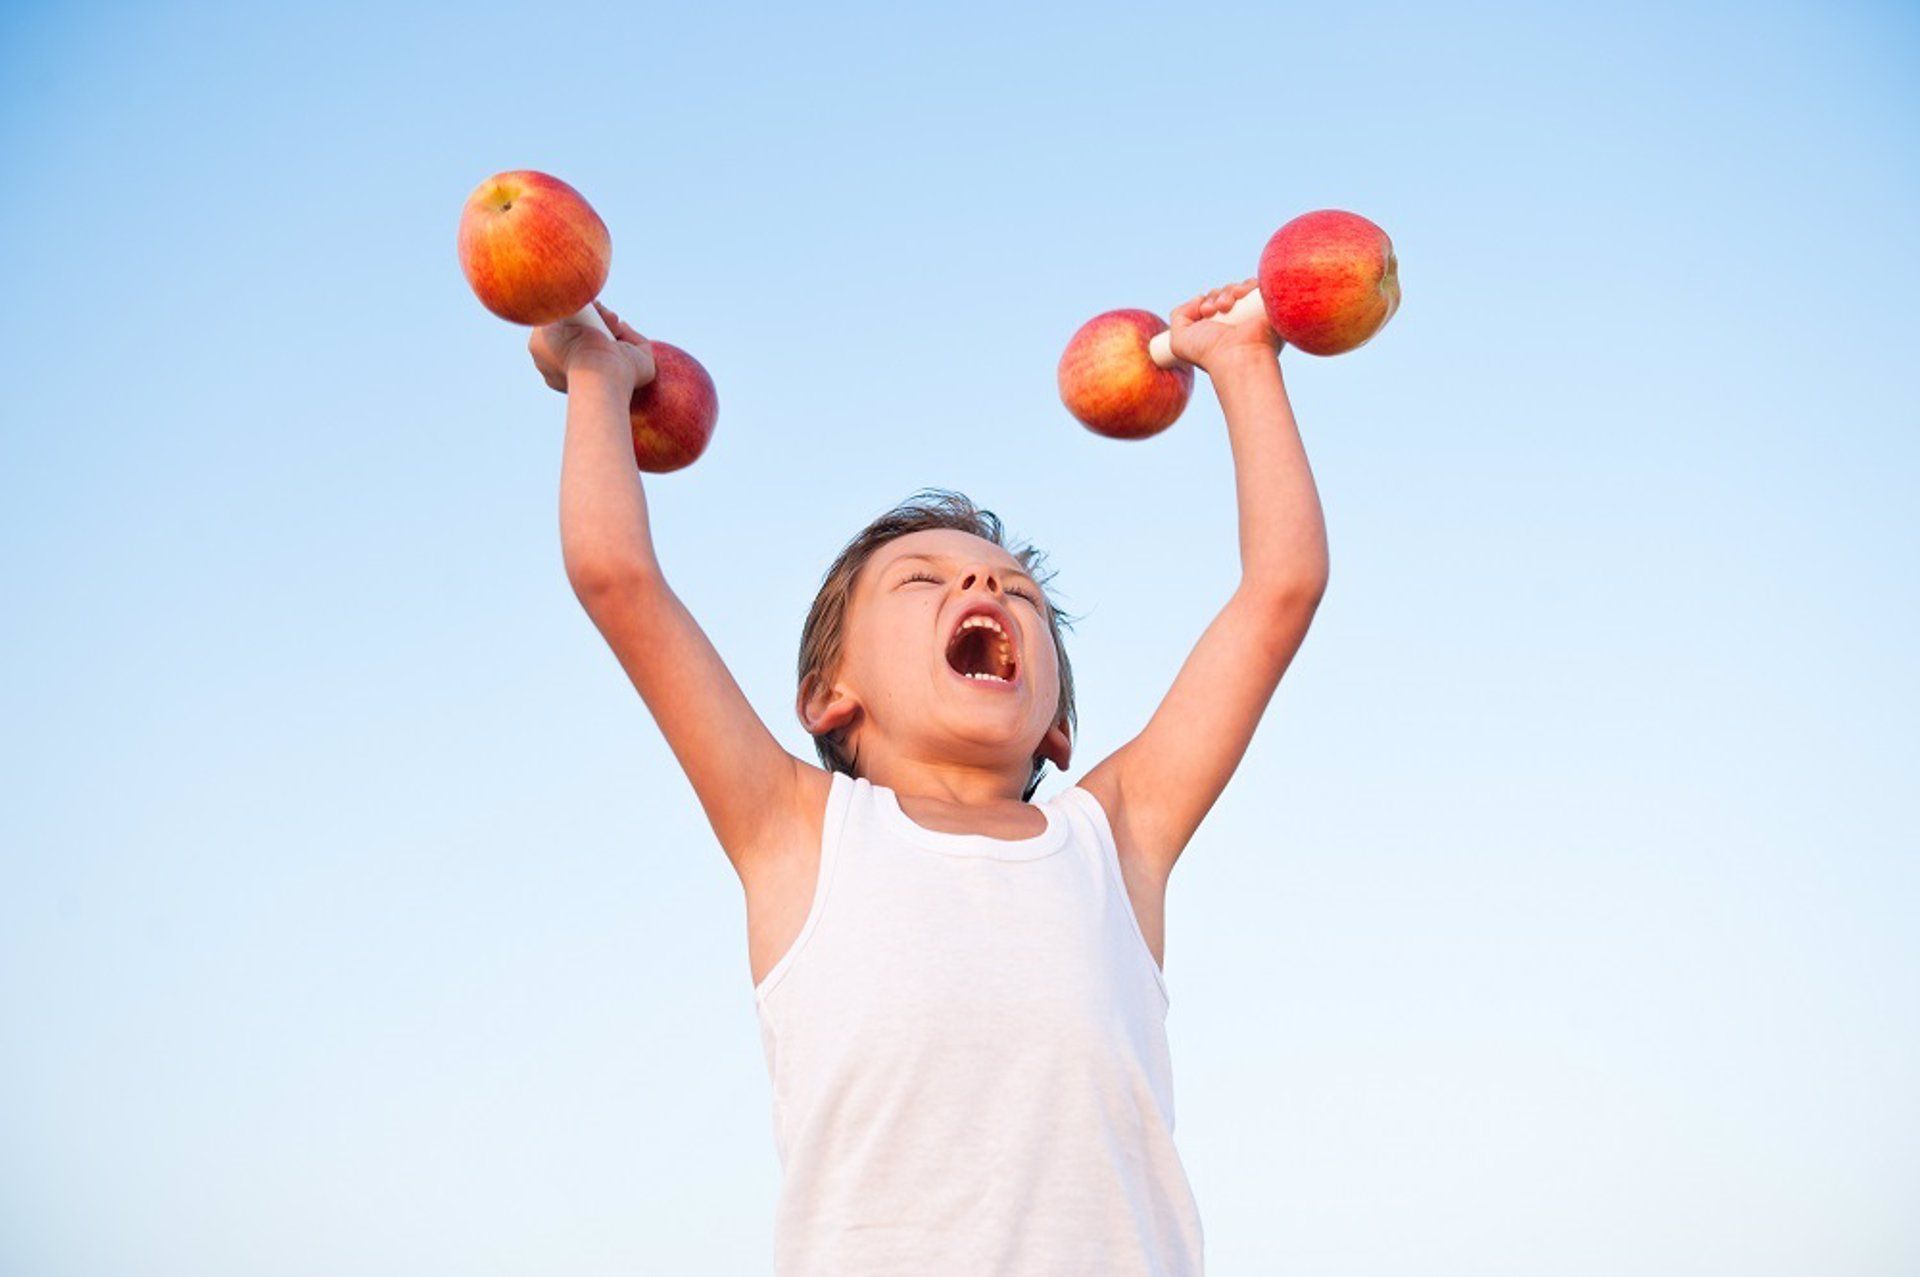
[(824, 708), (1057, 746)]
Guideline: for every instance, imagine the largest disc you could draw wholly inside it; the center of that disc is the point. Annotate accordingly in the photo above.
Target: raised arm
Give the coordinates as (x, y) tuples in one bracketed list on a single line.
[(750, 787), (1160, 785)]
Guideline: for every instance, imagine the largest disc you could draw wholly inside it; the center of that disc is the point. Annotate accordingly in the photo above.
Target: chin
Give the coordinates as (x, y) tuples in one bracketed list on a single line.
[(992, 724), (1000, 740)]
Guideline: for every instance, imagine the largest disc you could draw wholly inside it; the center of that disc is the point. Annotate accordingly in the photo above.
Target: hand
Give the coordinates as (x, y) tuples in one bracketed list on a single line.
[(1200, 338), (561, 348)]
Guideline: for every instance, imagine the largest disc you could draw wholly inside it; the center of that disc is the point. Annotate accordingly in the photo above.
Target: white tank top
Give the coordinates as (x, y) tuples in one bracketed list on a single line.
[(967, 1044)]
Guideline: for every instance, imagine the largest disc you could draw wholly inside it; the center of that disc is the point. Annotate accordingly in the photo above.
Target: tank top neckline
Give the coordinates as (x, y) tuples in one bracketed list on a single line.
[(1045, 843)]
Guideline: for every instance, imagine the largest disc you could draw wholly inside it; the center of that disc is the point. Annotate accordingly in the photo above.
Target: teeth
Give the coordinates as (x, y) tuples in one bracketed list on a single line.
[(982, 621)]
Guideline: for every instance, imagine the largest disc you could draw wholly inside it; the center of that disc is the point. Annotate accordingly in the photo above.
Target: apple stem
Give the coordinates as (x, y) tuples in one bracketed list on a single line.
[(1160, 349)]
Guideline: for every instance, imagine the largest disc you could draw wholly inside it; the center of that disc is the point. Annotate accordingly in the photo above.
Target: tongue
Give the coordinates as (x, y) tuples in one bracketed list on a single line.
[(972, 653)]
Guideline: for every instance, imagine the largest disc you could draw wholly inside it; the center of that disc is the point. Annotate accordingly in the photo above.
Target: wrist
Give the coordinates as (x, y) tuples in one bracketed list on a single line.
[(598, 370), (1241, 363)]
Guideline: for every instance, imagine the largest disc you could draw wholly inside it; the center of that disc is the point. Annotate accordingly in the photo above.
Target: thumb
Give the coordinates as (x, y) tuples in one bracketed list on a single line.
[(555, 337), (640, 355), (620, 328)]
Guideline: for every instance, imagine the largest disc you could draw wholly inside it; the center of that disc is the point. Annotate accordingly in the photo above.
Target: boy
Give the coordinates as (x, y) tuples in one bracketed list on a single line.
[(960, 991)]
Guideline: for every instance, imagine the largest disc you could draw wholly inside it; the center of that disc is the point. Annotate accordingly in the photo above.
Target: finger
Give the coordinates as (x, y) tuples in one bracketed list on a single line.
[(619, 327), (615, 325)]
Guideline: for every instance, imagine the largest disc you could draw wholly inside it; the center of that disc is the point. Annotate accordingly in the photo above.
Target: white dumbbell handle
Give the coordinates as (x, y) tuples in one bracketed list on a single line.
[(589, 317), (1160, 349)]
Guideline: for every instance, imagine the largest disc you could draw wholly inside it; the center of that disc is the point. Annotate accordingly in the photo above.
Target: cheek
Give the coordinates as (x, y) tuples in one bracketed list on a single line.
[(1047, 665), (895, 637)]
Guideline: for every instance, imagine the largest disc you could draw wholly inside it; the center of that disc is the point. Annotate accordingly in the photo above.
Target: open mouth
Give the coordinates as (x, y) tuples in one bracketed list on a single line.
[(982, 650)]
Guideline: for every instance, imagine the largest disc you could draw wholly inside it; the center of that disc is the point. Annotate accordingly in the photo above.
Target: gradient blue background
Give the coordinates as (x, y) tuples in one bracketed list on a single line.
[(355, 918)]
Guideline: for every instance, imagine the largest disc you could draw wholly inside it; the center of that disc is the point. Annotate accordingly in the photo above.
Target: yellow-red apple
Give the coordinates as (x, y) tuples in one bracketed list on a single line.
[(532, 247), (674, 414), (1112, 385), (1330, 281)]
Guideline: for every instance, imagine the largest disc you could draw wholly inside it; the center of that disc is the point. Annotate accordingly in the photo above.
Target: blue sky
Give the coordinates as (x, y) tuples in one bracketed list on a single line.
[(1561, 917)]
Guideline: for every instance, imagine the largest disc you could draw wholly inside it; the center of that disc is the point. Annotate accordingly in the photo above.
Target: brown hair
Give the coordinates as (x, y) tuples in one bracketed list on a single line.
[(823, 637)]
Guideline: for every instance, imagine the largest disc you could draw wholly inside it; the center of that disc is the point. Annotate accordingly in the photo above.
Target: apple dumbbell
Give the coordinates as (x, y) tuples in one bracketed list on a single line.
[(536, 253), (1110, 381), (1328, 280)]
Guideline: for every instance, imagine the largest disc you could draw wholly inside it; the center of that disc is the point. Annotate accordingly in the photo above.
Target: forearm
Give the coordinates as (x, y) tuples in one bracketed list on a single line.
[(1283, 536), (603, 509)]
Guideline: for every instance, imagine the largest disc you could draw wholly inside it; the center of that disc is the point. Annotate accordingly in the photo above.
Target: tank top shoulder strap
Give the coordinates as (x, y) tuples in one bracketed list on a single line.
[(1090, 823), (843, 793)]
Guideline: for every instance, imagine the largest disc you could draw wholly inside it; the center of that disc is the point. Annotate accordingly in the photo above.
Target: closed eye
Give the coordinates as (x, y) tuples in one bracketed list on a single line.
[(1012, 590)]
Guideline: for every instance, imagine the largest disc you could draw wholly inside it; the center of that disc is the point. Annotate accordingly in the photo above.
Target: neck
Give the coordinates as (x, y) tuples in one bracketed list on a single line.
[(943, 781)]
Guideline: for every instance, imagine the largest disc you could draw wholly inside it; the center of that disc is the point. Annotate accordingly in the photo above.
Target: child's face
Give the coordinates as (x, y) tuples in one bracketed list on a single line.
[(913, 634)]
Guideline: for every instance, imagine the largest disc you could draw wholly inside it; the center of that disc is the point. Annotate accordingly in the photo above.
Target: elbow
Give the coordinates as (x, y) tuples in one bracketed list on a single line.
[(1294, 595), (1308, 587), (601, 577)]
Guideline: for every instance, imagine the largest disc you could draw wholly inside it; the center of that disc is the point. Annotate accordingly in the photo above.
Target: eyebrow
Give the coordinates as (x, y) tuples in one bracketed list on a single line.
[(943, 559)]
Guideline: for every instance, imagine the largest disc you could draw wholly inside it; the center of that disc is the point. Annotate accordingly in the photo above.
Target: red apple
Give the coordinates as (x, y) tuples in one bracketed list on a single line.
[(674, 414), (1330, 281), (1112, 385), (532, 248)]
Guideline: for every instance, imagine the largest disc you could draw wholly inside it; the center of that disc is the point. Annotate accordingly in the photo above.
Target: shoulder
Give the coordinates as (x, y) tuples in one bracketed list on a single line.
[(1103, 785)]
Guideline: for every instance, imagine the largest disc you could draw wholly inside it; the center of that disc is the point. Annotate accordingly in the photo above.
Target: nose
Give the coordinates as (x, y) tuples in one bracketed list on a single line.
[(992, 583)]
